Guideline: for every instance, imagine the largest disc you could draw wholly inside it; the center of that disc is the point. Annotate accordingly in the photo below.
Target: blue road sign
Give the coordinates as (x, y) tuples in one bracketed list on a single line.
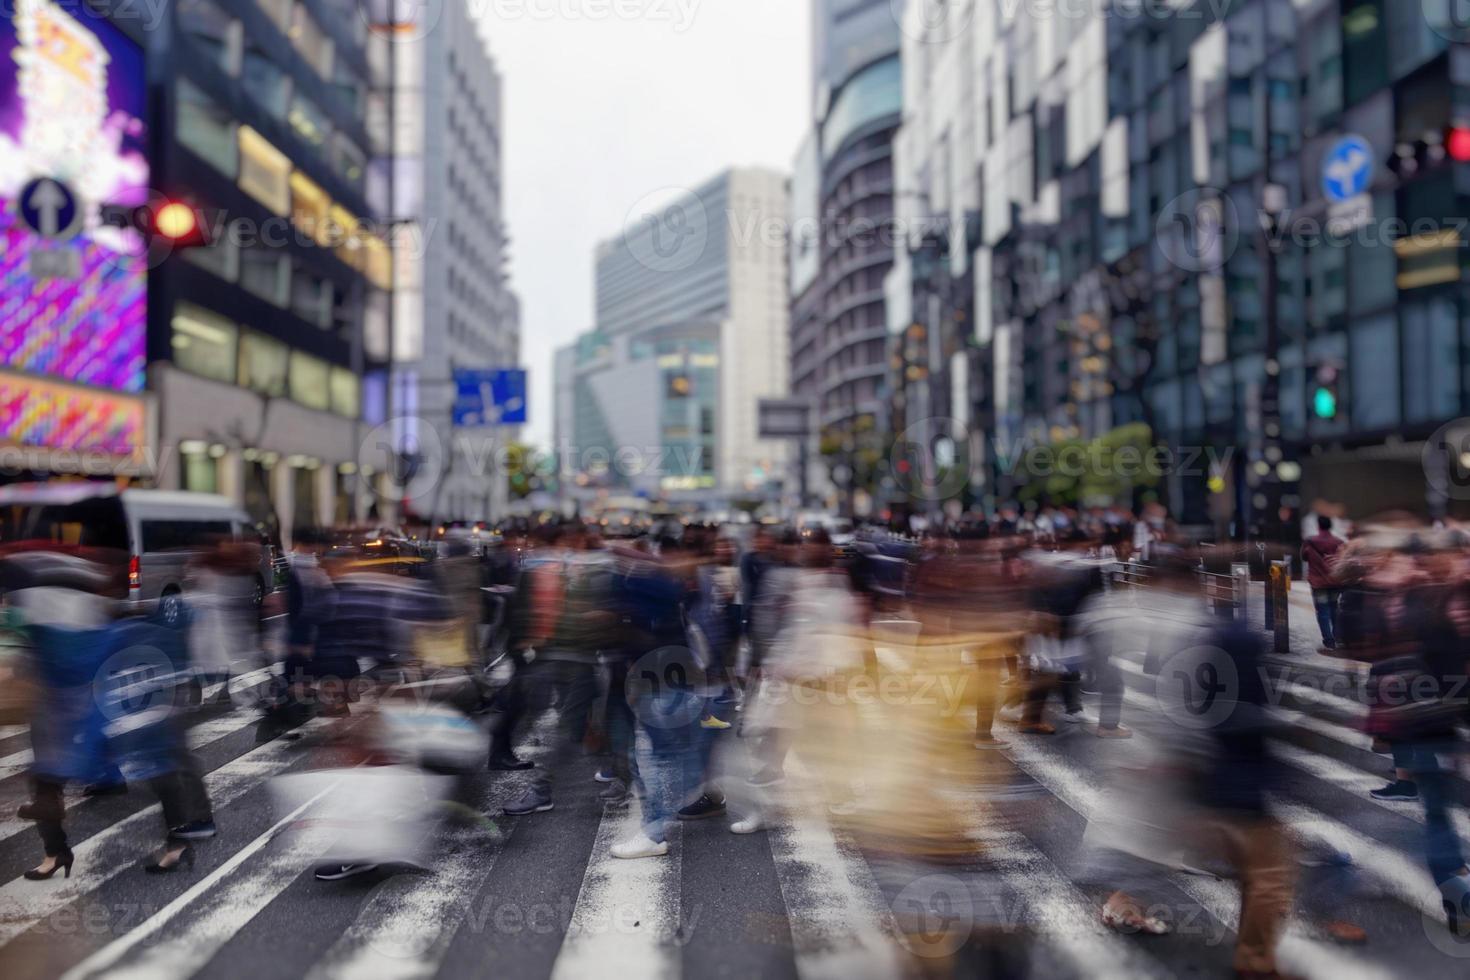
[(1347, 169), (491, 397), (48, 208)]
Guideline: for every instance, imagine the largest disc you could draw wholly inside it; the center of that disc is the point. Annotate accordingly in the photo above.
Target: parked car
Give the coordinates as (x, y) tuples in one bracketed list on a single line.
[(159, 530)]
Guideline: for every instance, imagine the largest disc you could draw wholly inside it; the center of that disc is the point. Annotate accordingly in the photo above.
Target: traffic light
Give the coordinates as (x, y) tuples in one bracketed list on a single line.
[(1412, 158), (1457, 143), (1324, 393), (163, 222)]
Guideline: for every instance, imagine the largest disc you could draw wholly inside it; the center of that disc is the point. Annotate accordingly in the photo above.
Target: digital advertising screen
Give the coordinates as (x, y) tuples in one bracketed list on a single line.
[(72, 111)]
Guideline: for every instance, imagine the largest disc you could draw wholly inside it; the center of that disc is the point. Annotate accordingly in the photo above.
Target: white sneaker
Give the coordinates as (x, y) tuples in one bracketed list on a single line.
[(640, 847), (749, 825), (1010, 712), (1078, 717)]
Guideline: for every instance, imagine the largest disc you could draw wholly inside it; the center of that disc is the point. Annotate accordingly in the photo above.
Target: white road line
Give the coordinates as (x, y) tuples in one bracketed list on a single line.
[(1298, 953), (226, 912), (118, 848), (198, 737), (627, 920)]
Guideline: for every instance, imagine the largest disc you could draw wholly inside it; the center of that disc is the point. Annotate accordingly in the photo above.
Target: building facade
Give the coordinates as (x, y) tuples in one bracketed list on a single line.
[(843, 246), (268, 349), (1115, 169), (454, 308), (661, 396)]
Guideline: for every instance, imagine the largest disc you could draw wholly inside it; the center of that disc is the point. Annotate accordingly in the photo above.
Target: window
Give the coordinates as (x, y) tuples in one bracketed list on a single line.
[(265, 81), (346, 394), (309, 208), (97, 522), (308, 381), (309, 122), (204, 343), (348, 161), (311, 298), (1365, 53), (265, 172), (1432, 360), (279, 11), (266, 273), (200, 472), (1375, 374), (309, 41), (206, 129), (212, 29), (221, 258), (182, 535), (263, 363)]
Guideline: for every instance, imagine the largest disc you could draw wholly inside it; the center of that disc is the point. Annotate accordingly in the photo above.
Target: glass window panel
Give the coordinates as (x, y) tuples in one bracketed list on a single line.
[(1431, 361), (309, 122), (265, 172), (1375, 374), (266, 273), (308, 381), (210, 28), (265, 81), (346, 394), (204, 342), (206, 129), (263, 363)]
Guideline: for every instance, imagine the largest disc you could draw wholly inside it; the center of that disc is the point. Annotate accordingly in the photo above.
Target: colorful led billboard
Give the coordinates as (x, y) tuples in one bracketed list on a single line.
[(72, 108)]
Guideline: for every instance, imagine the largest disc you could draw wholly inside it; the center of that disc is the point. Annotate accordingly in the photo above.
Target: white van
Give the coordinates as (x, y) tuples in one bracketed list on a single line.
[(159, 530)]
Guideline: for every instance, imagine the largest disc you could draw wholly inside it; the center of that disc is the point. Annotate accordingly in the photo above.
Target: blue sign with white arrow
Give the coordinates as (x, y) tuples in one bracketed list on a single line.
[(1347, 169), (49, 208), (493, 397)]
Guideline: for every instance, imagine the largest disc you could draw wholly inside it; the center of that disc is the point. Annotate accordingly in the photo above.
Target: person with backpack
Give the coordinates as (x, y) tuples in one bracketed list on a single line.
[(1320, 554)]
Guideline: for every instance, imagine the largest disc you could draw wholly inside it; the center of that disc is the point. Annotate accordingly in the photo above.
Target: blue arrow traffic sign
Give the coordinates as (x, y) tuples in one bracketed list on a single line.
[(1347, 169), (49, 208), (493, 397)]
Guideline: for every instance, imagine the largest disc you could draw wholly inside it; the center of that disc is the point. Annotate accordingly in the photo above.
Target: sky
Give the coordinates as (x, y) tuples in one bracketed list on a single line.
[(601, 113)]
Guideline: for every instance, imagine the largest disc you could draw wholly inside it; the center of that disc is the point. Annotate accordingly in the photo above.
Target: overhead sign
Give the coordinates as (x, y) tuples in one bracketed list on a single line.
[(48, 208), (1347, 170), (785, 418), (489, 397)]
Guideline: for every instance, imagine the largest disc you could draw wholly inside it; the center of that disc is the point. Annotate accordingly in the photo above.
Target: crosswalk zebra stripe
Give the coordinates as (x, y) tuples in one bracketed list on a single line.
[(225, 911), (627, 920), (116, 849)]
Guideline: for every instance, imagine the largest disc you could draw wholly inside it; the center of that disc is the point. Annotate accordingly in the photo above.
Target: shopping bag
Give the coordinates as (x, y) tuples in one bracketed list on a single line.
[(366, 815)]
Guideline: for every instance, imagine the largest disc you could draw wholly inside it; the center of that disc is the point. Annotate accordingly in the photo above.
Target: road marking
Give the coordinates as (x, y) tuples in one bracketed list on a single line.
[(104, 855), (627, 920)]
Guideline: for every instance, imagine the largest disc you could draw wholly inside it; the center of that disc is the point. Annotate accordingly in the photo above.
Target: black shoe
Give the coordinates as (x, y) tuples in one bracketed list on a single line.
[(339, 872), (613, 792), (63, 861), (106, 789), (702, 808), (26, 811), (509, 763), (1398, 790), (535, 800), (155, 865), (194, 830)]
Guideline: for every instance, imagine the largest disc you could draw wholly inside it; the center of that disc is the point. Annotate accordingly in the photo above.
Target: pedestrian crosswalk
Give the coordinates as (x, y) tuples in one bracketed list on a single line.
[(846, 910)]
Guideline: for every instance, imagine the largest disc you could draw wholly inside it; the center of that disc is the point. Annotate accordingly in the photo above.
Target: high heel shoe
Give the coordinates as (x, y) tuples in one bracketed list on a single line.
[(156, 865), (63, 860)]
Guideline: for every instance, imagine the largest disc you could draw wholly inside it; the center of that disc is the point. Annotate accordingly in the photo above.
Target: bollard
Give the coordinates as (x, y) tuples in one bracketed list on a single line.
[(1280, 585), (1240, 575)]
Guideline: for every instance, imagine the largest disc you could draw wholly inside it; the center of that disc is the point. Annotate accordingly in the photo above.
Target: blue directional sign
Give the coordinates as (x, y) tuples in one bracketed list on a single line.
[(493, 397), (48, 208), (1347, 170)]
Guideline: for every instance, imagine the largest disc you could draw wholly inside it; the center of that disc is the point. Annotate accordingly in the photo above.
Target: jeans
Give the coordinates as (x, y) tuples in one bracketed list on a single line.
[(1326, 603), (1441, 843), (672, 752)]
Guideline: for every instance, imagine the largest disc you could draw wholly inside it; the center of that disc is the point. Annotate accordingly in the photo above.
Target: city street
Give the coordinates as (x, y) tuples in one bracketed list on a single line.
[(539, 895)]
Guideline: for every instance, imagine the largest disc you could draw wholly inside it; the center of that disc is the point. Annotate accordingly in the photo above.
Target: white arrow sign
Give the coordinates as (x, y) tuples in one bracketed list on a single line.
[(47, 200)]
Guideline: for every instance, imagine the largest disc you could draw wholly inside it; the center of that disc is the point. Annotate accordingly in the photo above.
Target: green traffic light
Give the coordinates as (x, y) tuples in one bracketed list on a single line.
[(1324, 403)]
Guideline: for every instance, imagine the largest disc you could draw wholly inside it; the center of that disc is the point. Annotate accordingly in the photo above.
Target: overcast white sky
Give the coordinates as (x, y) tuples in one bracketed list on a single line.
[(599, 114)]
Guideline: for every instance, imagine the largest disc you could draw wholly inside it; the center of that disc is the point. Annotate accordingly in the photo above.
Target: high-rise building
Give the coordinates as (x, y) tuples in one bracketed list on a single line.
[(661, 396), (1115, 167), (454, 308), (843, 251), (268, 348)]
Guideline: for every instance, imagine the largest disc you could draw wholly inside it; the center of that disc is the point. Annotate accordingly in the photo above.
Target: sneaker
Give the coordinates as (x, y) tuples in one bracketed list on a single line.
[(1038, 728), (1399, 790), (509, 763), (339, 872), (534, 800), (603, 776), (614, 792), (106, 789), (712, 723), (1116, 731), (1010, 712), (194, 830), (702, 808), (990, 742), (26, 811), (641, 846), (767, 777), (748, 825), (1077, 717)]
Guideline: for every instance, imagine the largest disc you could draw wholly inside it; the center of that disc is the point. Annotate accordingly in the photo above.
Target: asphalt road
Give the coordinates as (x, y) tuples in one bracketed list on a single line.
[(539, 896)]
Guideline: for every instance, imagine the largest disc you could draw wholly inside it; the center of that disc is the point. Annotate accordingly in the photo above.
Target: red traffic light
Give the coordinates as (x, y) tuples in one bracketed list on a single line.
[(178, 224), (1457, 142)]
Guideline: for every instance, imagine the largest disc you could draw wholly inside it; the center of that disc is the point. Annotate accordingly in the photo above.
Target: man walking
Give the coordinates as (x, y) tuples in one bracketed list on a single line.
[(1319, 554)]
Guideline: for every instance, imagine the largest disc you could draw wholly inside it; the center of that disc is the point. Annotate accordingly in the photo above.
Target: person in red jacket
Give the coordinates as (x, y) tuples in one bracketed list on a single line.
[(1319, 553)]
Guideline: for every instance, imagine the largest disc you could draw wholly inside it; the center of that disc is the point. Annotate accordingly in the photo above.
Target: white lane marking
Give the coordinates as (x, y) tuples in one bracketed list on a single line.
[(182, 955), (404, 931), (198, 737), (1297, 952), (627, 919), (117, 849)]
